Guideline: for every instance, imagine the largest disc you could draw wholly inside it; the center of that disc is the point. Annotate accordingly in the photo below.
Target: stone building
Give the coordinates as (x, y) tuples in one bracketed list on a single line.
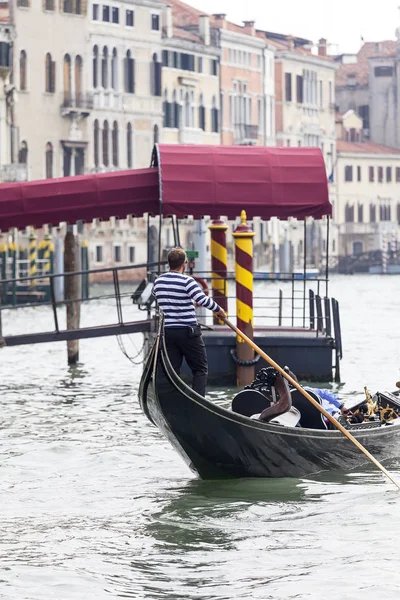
[(367, 211), (190, 79), (304, 94), (51, 101), (365, 83), (243, 70), (124, 80), (9, 168)]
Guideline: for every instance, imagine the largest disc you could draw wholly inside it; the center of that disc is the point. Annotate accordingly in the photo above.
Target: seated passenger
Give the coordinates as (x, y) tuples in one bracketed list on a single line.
[(329, 401), (283, 405)]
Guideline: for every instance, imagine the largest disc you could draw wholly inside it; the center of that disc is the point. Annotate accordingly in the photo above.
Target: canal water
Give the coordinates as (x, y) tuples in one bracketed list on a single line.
[(96, 505)]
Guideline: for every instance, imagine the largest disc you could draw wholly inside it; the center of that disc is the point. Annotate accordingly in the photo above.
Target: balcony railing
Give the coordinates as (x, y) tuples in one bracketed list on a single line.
[(14, 172), (246, 134), (76, 103)]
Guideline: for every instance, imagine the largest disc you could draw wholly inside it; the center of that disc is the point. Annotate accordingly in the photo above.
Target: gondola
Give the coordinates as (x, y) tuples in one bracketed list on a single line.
[(219, 443)]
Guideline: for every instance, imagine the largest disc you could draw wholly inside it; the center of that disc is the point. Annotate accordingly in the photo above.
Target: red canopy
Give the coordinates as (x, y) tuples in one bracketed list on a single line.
[(71, 199), (195, 180), (223, 180)]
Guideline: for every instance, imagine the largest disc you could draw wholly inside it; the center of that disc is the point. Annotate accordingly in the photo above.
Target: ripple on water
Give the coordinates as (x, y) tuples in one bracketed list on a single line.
[(95, 504)]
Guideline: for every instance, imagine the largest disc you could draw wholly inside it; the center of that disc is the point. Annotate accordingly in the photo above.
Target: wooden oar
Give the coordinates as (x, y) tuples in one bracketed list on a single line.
[(311, 399)]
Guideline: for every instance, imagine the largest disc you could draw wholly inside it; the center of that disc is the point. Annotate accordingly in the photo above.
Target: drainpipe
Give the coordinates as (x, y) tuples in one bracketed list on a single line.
[(220, 89), (264, 98)]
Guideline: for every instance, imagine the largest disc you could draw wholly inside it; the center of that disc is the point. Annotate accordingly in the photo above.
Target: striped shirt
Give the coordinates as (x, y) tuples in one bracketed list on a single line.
[(175, 294)]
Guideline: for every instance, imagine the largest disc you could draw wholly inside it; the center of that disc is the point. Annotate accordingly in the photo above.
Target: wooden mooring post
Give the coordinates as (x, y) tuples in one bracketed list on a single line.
[(72, 292)]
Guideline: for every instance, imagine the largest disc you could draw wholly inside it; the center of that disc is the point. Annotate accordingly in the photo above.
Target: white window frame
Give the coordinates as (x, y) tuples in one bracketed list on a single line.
[(133, 12), (155, 13)]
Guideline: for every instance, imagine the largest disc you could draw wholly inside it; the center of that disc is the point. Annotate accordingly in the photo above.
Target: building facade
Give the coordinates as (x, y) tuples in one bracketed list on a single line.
[(190, 81), (124, 80), (10, 170), (247, 84), (367, 83), (51, 99), (304, 95), (367, 211)]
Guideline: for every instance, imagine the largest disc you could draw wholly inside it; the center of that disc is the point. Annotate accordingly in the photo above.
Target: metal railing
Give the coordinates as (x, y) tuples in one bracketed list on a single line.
[(244, 132), (285, 304), (78, 101)]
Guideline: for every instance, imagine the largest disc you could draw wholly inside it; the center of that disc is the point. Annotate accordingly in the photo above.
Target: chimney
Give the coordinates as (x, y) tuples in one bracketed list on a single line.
[(167, 21), (249, 27), (290, 41), (220, 19), (322, 47), (204, 29)]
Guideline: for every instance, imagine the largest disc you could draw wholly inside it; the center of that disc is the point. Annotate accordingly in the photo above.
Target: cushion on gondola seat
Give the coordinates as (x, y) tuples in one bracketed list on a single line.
[(249, 402), (311, 418)]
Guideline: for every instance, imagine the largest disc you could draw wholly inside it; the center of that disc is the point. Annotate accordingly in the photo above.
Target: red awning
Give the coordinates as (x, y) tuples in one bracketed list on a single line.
[(71, 199), (224, 180)]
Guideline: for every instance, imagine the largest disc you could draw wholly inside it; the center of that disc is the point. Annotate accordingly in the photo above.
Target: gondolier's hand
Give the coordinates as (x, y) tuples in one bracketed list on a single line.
[(221, 314)]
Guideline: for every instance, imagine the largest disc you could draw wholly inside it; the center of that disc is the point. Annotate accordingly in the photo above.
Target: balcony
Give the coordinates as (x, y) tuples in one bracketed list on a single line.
[(14, 172), (190, 135), (108, 99), (76, 104), (246, 135)]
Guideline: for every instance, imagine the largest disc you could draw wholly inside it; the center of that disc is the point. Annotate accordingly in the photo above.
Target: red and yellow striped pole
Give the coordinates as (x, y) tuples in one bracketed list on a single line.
[(243, 236), (219, 265)]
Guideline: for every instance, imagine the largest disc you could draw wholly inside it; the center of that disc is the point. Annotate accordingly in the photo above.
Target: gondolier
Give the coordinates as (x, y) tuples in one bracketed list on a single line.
[(175, 293)]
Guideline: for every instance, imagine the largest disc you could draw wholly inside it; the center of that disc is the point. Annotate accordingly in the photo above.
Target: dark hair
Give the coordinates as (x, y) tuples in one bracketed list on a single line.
[(176, 258)]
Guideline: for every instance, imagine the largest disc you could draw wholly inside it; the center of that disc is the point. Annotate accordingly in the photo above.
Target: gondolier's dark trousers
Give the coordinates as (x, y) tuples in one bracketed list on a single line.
[(179, 346)]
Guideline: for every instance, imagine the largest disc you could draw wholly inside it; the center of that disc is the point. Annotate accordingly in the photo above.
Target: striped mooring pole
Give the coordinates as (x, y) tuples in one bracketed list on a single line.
[(48, 255), (219, 265), (243, 236), (12, 253), (32, 258)]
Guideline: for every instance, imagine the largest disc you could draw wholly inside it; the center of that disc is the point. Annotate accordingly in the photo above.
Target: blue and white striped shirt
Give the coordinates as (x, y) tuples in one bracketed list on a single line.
[(175, 294)]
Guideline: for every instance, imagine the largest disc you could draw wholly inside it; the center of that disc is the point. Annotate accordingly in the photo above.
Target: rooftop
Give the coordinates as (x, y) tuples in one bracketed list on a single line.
[(364, 148), (359, 71)]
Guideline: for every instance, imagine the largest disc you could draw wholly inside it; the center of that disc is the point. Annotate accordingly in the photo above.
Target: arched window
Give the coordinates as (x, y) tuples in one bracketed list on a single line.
[(155, 76), (176, 111), (166, 110), (49, 161), (95, 67), (156, 134), (104, 68), (105, 144), (23, 65), (214, 116), (50, 74), (114, 70), (187, 110), (202, 113), (129, 146), (96, 144), (67, 77), (191, 109), (78, 78), (115, 144), (129, 73), (23, 154)]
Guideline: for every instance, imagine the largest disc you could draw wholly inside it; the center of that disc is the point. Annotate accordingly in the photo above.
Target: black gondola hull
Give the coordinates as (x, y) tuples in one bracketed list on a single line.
[(218, 443)]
